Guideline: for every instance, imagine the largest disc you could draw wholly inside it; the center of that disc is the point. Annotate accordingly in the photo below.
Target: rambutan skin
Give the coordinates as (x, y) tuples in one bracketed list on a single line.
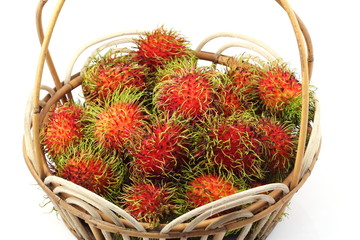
[(279, 144), (207, 188), (233, 145), (64, 129), (156, 48), (245, 76), (148, 202), (188, 94), (230, 100), (111, 73), (118, 122), (90, 172), (161, 150), (278, 88)]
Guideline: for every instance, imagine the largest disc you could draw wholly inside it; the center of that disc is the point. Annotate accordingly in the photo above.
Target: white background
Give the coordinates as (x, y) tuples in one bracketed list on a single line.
[(325, 208)]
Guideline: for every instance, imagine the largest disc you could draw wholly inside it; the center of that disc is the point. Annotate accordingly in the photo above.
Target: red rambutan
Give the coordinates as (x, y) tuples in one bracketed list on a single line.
[(111, 73), (63, 129), (245, 76), (233, 145), (156, 48), (148, 202), (279, 144), (231, 100), (161, 150), (278, 89), (188, 93), (99, 174)]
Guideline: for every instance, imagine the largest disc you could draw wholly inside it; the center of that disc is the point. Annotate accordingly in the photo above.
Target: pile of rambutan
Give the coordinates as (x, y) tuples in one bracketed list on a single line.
[(159, 135)]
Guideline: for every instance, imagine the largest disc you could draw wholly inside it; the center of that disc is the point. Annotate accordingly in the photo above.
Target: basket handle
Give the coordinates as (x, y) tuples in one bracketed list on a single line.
[(306, 59), (44, 55)]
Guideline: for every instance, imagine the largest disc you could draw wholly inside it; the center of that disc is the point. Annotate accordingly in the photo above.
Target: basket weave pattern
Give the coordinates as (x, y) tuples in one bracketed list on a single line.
[(89, 216)]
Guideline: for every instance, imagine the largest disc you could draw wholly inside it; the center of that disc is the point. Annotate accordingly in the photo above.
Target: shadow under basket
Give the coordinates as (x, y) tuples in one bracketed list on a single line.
[(89, 216)]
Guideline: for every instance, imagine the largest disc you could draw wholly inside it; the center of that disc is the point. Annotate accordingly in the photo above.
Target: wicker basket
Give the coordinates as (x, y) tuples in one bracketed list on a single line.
[(89, 216)]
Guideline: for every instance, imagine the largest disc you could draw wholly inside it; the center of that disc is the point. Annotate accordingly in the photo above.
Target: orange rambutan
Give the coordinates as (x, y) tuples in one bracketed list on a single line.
[(116, 124), (206, 188), (63, 129), (278, 88)]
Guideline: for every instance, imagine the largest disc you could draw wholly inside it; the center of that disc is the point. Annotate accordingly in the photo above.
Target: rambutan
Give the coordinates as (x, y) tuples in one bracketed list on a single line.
[(177, 67), (188, 93), (63, 129), (233, 145), (245, 76), (148, 202), (279, 89), (279, 144), (156, 48), (101, 174), (231, 100), (162, 148), (206, 188), (111, 72), (115, 124)]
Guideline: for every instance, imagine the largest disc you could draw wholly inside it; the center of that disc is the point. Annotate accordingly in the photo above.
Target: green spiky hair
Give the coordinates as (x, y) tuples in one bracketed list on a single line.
[(178, 66), (292, 112)]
